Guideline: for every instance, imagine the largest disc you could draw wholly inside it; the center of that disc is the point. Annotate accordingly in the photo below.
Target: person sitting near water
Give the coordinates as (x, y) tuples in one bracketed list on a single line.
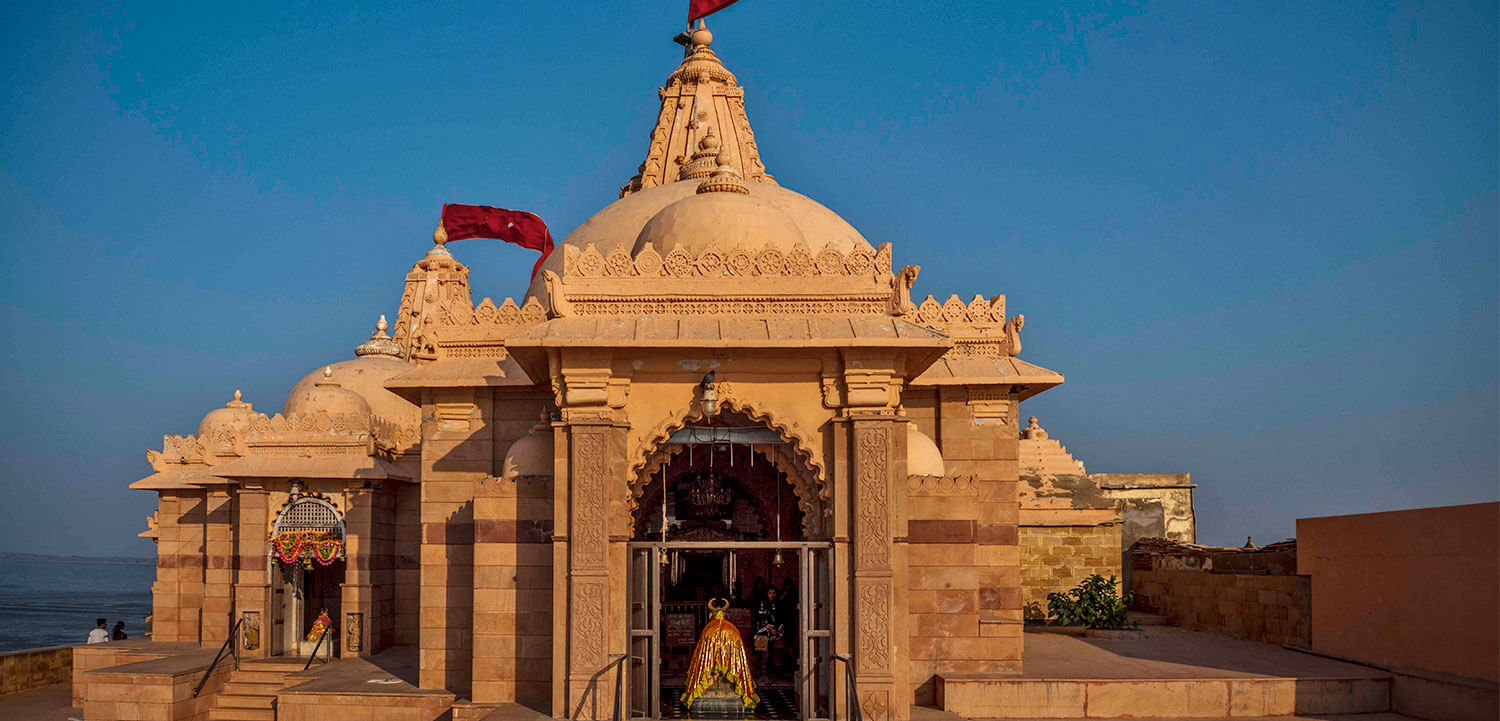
[(99, 635), (119, 633)]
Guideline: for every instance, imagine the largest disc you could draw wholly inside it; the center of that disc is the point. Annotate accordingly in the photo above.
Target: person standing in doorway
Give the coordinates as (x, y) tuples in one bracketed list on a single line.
[(99, 634)]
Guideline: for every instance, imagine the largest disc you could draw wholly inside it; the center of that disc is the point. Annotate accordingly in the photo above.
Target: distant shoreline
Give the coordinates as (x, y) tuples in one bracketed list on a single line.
[(44, 558)]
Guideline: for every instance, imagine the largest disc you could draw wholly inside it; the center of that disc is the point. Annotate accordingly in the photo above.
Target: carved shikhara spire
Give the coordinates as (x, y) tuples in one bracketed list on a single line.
[(702, 110)]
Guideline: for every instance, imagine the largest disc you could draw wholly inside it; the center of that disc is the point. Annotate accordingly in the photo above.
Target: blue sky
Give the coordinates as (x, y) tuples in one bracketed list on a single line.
[(1259, 238)]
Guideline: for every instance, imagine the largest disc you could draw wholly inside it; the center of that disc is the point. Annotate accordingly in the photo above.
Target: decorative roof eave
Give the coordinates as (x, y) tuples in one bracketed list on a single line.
[(347, 467), (922, 346), (459, 373), (982, 371), (181, 480)]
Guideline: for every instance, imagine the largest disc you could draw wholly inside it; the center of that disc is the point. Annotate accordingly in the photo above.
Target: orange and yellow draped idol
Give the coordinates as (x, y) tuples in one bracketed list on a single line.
[(720, 653)]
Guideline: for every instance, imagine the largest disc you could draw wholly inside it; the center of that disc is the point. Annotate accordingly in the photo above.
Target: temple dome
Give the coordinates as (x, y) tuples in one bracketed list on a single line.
[(531, 455), (720, 212), (325, 395), (621, 223), (235, 413), (378, 361), (922, 455)]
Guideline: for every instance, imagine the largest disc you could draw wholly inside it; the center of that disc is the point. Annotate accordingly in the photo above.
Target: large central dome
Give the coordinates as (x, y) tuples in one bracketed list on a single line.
[(703, 121)]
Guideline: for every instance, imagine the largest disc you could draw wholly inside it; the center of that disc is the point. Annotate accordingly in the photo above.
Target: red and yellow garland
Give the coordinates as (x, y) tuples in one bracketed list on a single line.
[(293, 546)]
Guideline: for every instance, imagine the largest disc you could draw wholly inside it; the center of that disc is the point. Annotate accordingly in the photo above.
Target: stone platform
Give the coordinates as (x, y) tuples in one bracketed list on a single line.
[(1172, 673)]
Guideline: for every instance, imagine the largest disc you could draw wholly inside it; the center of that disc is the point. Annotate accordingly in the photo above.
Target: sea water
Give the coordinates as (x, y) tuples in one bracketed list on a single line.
[(45, 603)]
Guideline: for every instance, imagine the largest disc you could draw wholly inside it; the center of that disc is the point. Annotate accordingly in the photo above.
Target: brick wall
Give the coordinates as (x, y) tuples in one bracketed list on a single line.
[(1256, 607), (1057, 558)]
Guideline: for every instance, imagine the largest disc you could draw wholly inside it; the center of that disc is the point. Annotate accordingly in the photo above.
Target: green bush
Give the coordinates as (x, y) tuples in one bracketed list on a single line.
[(1094, 603)]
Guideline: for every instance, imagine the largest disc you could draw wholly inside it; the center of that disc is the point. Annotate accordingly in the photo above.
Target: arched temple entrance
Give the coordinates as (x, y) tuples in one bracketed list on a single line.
[(724, 511), (308, 563)]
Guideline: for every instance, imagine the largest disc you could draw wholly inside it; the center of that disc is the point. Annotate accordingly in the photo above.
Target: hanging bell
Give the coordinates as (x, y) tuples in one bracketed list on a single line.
[(777, 560)]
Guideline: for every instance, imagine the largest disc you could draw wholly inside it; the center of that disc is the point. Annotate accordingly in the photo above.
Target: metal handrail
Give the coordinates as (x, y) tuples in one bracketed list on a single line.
[(619, 680), (854, 714), (317, 646), (228, 645)]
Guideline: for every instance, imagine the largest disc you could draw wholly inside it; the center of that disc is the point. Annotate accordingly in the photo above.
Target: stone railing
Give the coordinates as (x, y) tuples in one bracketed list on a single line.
[(35, 667)]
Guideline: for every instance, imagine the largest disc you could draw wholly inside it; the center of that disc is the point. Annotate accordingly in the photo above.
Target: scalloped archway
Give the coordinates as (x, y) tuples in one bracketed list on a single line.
[(795, 456)]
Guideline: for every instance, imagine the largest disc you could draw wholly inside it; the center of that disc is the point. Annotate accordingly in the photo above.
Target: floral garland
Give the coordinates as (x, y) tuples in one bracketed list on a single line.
[(293, 546)]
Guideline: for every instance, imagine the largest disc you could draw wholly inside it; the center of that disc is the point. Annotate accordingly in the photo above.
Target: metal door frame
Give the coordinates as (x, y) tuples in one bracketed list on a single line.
[(807, 664)]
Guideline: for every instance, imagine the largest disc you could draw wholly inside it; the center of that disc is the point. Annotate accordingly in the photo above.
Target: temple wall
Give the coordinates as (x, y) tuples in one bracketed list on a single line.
[(965, 598), (513, 572), (457, 451), (1258, 607), (407, 571), (177, 594), (1055, 558)]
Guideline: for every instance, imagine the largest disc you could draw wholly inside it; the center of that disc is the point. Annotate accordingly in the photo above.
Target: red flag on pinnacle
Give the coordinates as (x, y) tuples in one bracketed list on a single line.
[(525, 229), (704, 8)]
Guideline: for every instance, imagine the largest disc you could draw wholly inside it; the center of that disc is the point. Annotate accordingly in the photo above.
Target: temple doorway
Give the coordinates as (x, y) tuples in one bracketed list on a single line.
[(308, 565), (721, 542)]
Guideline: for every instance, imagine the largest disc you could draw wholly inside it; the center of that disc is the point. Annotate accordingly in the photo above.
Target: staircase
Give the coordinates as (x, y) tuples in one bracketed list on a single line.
[(250, 692)]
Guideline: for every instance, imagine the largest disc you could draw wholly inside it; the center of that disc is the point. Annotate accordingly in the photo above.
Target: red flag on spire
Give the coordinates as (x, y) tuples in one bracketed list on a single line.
[(512, 226), (704, 8)]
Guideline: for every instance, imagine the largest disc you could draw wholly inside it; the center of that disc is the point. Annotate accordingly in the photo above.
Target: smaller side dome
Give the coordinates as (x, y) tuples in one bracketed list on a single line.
[(531, 455), (326, 396), (234, 414), (722, 212), (922, 455)]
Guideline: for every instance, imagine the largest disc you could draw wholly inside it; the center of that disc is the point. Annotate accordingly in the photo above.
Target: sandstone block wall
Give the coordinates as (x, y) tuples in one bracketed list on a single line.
[(1057, 558), (1270, 609), (964, 602), (513, 592), (33, 667)]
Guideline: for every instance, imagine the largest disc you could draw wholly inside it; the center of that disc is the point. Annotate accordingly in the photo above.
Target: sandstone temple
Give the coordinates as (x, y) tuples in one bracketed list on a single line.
[(716, 397)]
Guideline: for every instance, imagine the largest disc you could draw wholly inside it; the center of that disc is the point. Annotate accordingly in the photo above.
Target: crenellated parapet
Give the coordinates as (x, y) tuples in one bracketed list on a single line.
[(300, 434), (978, 327)]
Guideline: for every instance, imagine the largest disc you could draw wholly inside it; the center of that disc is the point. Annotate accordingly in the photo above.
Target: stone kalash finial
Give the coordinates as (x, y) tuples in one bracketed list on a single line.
[(724, 179), (379, 343), (705, 160), (327, 377), (237, 403), (1033, 431)]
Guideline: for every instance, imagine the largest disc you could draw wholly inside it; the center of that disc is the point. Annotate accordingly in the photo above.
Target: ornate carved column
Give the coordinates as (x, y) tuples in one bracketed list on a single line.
[(590, 693), (877, 449)]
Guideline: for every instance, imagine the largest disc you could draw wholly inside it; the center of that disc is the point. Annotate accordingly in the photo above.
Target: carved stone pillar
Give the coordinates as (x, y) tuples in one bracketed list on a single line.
[(590, 692), (878, 463)]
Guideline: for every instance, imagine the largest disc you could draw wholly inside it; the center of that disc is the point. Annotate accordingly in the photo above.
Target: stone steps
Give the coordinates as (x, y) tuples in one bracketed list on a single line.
[(250, 692)]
